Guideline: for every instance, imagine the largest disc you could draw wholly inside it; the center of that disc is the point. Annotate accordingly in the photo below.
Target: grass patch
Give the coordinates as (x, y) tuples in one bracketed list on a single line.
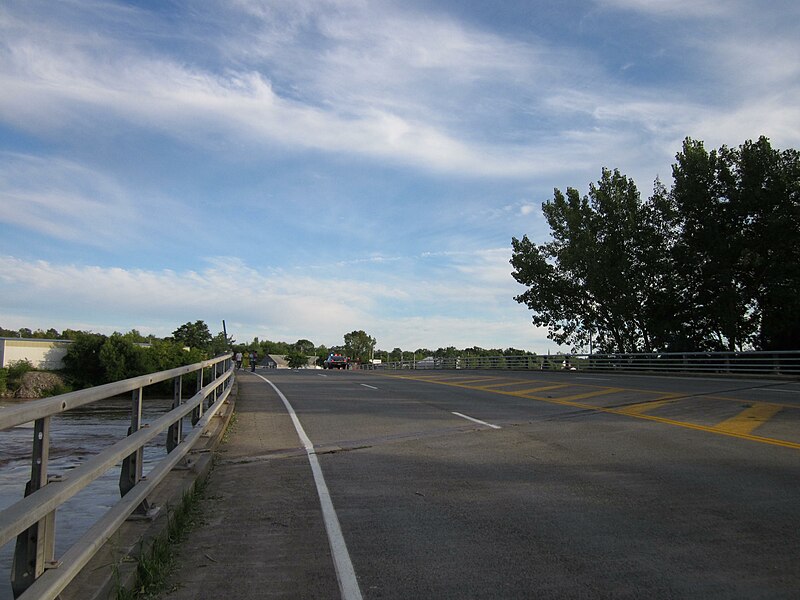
[(157, 562)]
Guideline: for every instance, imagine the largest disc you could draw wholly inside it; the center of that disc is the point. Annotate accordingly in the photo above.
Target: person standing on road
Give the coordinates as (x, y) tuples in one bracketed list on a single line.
[(238, 359), (253, 358)]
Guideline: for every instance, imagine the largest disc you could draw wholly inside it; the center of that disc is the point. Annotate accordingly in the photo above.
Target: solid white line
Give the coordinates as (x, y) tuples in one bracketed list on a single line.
[(369, 386), (592, 378), (346, 575), (783, 391), (458, 414)]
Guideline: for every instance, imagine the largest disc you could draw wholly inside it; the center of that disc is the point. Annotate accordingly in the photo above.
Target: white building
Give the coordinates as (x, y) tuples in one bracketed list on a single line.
[(42, 354)]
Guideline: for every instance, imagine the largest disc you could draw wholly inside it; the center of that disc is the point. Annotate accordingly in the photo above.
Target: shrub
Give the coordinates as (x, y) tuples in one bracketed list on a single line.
[(17, 369)]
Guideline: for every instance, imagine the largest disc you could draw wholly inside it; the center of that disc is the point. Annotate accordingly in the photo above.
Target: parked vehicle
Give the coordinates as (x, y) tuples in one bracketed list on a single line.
[(336, 361)]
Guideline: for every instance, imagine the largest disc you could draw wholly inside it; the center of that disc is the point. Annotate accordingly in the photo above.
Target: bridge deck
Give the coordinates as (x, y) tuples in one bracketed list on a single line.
[(505, 485)]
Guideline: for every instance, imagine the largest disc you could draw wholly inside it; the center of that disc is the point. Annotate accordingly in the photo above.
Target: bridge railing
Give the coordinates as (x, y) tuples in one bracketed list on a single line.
[(727, 363), (36, 571)]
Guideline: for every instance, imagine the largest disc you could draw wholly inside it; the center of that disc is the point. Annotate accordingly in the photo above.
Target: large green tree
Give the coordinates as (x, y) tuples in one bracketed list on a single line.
[(600, 274), (359, 345), (193, 335), (711, 264), (708, 252), (737, 259)]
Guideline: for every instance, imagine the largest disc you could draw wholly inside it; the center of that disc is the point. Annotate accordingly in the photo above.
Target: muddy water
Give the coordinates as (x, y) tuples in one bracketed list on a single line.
[(75, 436)]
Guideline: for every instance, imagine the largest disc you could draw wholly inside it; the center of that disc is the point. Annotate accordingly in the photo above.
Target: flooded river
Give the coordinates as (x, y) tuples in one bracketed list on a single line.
[(75, 436)]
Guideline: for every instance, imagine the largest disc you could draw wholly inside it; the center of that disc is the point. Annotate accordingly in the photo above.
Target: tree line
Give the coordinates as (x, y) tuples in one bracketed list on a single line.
[(94, 359), (713, 263)]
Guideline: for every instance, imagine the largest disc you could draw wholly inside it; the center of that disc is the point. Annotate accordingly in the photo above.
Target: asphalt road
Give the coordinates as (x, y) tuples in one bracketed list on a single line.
[(511, 485)]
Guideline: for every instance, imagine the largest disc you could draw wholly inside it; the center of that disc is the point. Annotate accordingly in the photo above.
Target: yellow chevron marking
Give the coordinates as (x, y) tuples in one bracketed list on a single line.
[(603, 392), (719, 429), (537, 389), (643, 407), (498, 385), (750, 419)]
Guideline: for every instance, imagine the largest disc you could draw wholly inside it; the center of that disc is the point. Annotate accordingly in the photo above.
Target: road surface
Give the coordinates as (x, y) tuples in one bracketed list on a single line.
[(484, 484)]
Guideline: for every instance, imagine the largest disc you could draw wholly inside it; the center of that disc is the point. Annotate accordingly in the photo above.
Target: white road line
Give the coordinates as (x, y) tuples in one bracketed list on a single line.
[(372, 387), (592, 378), (458, 414), (345, 574), (321, 375), (784, 391)]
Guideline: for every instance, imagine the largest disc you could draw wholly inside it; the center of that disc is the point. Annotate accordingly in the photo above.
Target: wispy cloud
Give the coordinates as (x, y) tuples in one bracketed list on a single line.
[(277, 304), (682, 9), (63, 199)]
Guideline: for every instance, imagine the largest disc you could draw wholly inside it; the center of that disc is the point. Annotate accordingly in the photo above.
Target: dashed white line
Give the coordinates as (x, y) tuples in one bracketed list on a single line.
[(458, 414), (346, 575), (372, 387)]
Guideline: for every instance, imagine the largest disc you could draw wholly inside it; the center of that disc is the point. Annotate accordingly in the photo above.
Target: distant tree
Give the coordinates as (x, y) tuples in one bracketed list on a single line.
[(449, 352), (122, 359), (296, 359), (82, 362), (359, 345), (269, 347), (220, 344), (304, 346), (322, 353), (71, 334), (193, 335)]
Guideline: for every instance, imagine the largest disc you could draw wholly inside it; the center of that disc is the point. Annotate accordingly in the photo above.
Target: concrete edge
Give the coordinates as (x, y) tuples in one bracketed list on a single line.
[(115, 564)]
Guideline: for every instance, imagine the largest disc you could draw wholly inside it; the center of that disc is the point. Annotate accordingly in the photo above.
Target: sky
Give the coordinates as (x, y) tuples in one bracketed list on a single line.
[(302, 169)]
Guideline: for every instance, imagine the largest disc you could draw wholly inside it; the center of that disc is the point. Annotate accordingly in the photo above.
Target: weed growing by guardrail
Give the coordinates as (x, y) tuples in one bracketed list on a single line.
[(156, 563)]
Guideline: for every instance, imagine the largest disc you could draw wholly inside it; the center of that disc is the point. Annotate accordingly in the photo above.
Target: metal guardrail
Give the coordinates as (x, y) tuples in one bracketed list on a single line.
[(36, 572), (784, 363)]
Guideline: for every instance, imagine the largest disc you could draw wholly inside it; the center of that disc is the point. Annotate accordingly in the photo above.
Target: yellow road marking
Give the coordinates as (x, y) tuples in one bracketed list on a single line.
[(538, 389), (641, 415), (482, 379), (497, 385), (748, 420), (643, 407), (585, 395)]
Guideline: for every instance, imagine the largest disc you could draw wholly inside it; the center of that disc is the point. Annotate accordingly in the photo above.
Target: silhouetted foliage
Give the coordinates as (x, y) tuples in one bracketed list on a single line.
[(712, 264)]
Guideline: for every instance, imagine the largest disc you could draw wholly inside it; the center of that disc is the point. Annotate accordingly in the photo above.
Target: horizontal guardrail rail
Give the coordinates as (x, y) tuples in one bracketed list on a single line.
[(783, 363), (37, 572)]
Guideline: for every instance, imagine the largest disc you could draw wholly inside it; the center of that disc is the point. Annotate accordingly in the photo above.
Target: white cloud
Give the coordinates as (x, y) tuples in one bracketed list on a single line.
[(400, 88), (476, 309), (683, 9), (63, 199)]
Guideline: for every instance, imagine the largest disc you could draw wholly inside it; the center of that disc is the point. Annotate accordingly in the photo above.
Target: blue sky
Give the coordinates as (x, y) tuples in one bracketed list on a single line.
[(303, 169)]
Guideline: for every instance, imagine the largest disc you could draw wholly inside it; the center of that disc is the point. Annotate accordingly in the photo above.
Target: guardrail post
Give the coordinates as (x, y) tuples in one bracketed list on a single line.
[(35, 547), (197, 413), (131, 472), (216, 388), (175, 431)]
